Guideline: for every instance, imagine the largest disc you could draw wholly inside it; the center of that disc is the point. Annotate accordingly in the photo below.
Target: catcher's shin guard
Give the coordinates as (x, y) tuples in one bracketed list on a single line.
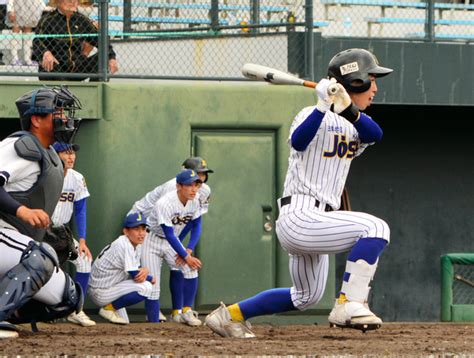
[(24, 280), (35, 311)]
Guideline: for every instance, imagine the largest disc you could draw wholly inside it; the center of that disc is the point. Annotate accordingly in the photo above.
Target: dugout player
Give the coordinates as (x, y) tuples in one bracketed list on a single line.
[(73, 199), (324, 139), (172, 213), (118, 280), (32, 286), (145, 205)]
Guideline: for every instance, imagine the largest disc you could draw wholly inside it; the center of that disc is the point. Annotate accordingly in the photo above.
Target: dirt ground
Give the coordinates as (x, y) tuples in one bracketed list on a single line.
[(172, 339)]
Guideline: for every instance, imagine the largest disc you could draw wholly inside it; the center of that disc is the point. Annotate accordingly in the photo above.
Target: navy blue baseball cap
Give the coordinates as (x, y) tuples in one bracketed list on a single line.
[(65, 147), (187, 176), (134, 220)]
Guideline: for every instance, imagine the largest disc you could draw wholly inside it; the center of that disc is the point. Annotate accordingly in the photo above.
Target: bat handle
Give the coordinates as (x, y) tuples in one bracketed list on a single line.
[(310, 84)]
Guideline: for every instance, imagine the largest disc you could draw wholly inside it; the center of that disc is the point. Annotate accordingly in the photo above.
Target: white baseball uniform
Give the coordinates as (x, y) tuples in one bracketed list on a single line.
[(315, 181), (145, 205), (74, 189), (20, 174), (169, 211), (110, 278)]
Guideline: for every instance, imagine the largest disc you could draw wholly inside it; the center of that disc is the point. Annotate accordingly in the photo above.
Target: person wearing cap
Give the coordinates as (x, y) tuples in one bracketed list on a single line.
[(31, 180), (117, 279), (172, 213), (73, 199), (146, 204)]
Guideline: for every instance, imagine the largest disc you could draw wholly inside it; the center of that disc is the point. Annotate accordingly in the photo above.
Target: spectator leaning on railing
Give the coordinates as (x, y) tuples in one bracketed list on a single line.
[(67, 49)]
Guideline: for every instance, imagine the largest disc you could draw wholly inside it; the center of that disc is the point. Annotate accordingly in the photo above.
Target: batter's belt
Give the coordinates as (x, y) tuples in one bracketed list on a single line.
[(287, 200)]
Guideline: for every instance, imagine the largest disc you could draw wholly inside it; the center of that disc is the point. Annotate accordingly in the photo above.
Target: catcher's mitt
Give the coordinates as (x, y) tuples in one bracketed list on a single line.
[(60, 238)]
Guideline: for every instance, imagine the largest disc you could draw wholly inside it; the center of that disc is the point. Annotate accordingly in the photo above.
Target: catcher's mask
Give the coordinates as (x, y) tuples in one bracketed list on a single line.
[(59, 101), (352, 68)]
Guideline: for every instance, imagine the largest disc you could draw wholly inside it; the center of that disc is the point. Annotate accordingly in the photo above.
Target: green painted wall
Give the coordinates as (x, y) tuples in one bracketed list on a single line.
[(425, 73), (141, 135)]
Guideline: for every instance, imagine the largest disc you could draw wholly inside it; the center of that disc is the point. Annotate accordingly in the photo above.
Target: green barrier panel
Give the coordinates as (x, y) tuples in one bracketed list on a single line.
[(449, 310)]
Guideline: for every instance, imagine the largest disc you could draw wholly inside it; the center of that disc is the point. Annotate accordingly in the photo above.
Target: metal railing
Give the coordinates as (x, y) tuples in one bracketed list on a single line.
[(203, 39)]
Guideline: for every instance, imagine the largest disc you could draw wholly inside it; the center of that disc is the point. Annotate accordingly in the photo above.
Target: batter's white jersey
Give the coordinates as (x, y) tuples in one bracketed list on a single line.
[(304, 228), (321, 170), (113, 263), (74, 189), (146, 204)]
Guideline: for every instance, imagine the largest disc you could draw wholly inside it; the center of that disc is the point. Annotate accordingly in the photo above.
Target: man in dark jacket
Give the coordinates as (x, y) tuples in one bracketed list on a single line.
[(65, 51)]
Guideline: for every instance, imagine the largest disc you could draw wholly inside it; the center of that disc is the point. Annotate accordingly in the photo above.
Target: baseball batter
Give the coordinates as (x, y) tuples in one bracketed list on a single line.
[(146, 205), (171, 214), (73, 200), (33, 288), (117, 279), (324, 139)]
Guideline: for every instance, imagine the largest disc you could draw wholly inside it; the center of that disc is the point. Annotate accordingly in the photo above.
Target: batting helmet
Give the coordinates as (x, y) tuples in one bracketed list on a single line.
[(47, 100), (352, 68), (198, 165)]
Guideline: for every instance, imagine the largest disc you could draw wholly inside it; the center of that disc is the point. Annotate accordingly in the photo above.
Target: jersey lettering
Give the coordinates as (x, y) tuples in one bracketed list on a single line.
[(67, 196), (342, 148), (177, 220)]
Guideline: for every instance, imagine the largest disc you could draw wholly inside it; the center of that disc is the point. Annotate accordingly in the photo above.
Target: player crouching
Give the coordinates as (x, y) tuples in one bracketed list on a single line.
[(117, 280)]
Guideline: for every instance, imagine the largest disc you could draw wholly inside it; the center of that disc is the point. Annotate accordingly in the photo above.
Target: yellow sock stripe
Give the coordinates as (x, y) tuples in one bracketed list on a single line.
[(109, 307), (236, 313), (186, 309)]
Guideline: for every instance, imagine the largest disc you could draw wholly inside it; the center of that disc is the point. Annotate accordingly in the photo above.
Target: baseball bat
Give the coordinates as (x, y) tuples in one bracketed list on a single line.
[(262, 73)]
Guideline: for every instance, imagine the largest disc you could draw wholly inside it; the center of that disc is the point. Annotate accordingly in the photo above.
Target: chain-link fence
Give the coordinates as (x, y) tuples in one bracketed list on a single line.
[(463, 285), (75, 39)]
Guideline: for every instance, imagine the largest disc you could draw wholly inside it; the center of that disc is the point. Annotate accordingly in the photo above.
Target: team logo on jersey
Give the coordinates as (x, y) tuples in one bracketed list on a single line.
[(349, 68), (178, 220), (342, 148)]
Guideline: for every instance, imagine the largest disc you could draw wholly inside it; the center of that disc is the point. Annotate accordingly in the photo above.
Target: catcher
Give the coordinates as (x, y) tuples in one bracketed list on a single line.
[(33, 287)]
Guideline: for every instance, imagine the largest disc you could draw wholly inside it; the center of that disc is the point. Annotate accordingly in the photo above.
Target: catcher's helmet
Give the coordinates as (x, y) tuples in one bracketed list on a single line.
[(352, 68), (50, 100), (198, 165)]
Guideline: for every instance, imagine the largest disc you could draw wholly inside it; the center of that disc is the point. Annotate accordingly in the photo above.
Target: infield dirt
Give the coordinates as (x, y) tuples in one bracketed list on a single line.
[(172, 339)]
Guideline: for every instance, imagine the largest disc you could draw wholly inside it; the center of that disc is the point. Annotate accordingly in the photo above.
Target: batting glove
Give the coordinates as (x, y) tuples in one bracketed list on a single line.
[(342, 104), (324, 98)]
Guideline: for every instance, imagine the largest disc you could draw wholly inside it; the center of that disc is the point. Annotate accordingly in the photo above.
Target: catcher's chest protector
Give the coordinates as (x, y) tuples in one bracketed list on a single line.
[(45, 193)]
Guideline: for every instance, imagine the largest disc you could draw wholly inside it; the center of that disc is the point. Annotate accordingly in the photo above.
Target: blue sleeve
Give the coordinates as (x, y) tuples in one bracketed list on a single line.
[(133, 273), (185, 231), (7, 203), (306, 131), (80, 214), (195, 233), (173, 240), (369, 131)]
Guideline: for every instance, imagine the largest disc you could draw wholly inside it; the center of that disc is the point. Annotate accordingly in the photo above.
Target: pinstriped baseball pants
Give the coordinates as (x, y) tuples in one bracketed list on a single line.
[(309, 234), (154, 251)]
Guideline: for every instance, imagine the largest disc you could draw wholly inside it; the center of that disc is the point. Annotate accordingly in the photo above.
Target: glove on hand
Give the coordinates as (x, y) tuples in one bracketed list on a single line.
[(60, 238), (342, 104), (322, 90)]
